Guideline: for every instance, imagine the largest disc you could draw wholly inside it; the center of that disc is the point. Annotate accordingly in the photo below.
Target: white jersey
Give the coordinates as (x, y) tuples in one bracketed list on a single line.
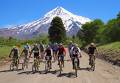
[(72, 52)]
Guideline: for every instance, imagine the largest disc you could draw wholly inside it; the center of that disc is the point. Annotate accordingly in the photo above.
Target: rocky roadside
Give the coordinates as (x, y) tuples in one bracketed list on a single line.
[(109, 55)]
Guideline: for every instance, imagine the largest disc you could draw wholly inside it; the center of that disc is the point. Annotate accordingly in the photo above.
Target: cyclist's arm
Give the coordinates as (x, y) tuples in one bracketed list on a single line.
[(57, 52), (18, 53), (71, 50), (51, 52), (40, 54), (96, 51), (21, 52), (64, 51), (31, 52), (80, 54), (10, 53)]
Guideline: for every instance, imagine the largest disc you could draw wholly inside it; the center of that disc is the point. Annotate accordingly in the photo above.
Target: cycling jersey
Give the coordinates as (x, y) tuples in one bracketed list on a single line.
[(91, 50), (35, 50), (26, 52), (41, 47), (75, 51), (15, 52), (61, 50), (48, 52)]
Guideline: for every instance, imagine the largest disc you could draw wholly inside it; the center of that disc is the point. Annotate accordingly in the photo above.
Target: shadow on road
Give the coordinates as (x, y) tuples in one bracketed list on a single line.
[(86, 69), (40, 72), (69, 75), (10, 70), (72, 74)]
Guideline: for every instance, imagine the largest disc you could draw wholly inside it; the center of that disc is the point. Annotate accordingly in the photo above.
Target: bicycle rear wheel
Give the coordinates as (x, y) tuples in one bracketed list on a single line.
[(60, 66), (75, 69)]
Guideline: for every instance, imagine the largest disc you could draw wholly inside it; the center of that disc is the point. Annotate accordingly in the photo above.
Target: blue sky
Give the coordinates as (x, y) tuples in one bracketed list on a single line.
[(15, 12)]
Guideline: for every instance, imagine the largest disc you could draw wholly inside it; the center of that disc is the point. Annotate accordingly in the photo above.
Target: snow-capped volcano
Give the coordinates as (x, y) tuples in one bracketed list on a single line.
[(71, 22)]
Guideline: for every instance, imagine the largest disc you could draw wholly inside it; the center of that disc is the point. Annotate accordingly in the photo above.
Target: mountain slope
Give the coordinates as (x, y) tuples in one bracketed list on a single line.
[(71, 22)]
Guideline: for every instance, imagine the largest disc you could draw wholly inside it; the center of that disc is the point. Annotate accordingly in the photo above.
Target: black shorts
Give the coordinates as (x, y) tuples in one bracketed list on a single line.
[(61, 56), (50, 57), (36, 55)]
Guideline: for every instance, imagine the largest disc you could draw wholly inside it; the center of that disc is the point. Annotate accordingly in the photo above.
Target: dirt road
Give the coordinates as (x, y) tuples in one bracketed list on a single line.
[(104, 73)]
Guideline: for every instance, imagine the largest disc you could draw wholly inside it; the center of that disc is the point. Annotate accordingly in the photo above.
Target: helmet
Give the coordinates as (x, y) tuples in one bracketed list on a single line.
[(61, 44), (92, 44), (76, 45), (56, 43), (14, 46), (35, 44), (27, 44), (25, 47), (71, 42), (48, 46)]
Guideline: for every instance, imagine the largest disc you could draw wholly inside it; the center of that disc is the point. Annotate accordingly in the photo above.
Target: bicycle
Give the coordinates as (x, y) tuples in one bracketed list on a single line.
[(47, 64), (92, 62), (35, 66), (61, 63), (25, 63), (76, 66), (14, 63)]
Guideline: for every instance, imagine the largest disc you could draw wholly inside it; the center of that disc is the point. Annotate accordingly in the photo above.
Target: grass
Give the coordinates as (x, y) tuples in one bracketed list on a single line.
[(114, 46), (110, 52), (4, 51)]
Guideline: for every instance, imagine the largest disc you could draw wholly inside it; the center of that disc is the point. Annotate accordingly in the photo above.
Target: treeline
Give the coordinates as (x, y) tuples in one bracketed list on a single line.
[(100, 33), (10, 41)]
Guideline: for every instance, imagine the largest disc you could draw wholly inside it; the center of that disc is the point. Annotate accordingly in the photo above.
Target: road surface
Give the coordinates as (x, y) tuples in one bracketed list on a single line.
[(104, 73)]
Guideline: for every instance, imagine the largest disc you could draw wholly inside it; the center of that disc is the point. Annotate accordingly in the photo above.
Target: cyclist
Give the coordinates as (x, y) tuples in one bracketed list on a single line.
[(36, 52), (14, 52), (76, 53), (26, 52), (91, 52), (61, 53), (70, 45), (15, 55), (55, 49), (28, 47), (49, 53), (42, 49)]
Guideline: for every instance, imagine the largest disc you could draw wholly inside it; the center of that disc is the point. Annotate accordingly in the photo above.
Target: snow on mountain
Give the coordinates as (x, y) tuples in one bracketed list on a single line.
[(71, 22)]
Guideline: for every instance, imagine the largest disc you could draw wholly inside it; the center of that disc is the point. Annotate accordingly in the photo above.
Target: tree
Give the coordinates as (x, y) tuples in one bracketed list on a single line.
[(90, 31), (112, 31), (118, 15), (57, 32)]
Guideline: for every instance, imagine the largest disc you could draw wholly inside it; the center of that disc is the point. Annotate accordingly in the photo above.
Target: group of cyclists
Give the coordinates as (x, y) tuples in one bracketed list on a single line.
[(51, 52)]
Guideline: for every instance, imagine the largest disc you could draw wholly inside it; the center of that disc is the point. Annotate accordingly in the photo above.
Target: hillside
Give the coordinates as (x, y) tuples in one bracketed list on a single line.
[(110, 52)]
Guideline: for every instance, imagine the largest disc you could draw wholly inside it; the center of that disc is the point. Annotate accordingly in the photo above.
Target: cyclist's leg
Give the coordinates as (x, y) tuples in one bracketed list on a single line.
[(73, 62), (13, 62), (78, 63), (58, 59), (35, 58), (90, 57), (50, 62), (54, 55), (62, 59), (16, 61)]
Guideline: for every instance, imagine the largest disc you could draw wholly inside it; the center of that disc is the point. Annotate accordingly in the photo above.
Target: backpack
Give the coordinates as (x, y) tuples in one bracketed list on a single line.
[(41, 47), (26, 51), (36, 49), (75, 51), (48, 51), (15, 51), (61, 50)]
